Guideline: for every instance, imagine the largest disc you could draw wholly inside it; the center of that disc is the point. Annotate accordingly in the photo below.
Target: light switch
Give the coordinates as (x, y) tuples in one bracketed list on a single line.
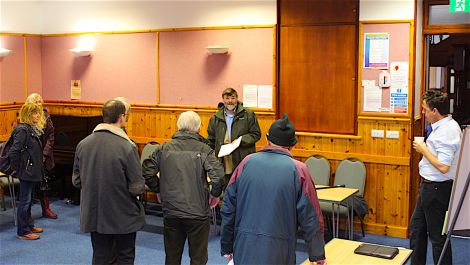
[(377, 133), (393, 134)]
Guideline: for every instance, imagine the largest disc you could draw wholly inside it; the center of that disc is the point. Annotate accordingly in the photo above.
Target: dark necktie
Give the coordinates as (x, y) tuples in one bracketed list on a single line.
[(427, 132)]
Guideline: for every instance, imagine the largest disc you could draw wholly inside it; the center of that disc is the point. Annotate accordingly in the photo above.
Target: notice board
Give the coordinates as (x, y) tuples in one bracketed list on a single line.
[(396, 46)]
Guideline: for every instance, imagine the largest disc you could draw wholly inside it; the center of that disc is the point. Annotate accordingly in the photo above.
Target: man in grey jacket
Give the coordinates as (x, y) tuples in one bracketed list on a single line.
[(187, 167), (108, 172)]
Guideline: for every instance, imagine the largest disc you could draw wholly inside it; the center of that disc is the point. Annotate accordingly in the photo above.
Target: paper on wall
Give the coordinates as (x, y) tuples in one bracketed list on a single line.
[(265, 96), (250, 96), (372, 98)]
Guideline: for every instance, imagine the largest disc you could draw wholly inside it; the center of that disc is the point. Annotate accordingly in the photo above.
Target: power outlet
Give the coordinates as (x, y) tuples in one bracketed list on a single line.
[(393, 134), (377, 133)]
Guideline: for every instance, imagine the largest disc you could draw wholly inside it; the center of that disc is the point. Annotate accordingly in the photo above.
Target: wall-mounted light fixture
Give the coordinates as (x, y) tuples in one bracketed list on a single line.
[(4, 52), (217, 49), (85, 46), (81, 53)]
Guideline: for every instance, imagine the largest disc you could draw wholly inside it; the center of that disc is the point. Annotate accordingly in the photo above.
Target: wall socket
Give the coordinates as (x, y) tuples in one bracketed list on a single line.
[(377, 133), (393, 134)]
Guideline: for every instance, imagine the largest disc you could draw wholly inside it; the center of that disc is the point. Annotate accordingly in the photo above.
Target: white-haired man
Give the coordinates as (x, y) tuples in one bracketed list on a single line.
[(184, 163)]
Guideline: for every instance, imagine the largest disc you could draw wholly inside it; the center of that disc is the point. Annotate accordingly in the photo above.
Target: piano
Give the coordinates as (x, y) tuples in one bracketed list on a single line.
[(69, 131)]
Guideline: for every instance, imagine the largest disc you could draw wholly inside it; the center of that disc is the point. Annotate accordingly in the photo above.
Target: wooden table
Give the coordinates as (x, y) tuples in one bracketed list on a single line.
[(336, 196), (340, 251)]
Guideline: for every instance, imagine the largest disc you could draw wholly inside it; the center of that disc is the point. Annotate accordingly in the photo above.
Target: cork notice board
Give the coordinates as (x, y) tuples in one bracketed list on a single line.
[(394, 99)]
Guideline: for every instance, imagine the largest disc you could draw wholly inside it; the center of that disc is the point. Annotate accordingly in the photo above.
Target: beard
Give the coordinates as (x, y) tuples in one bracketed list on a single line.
[(230, 107)]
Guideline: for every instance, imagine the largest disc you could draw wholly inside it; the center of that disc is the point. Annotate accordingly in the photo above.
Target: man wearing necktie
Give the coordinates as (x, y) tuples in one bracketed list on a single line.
[(437, 169)]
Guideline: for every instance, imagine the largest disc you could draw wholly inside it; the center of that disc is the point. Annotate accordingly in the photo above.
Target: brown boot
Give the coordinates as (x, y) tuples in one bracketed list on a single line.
[(46, 211)]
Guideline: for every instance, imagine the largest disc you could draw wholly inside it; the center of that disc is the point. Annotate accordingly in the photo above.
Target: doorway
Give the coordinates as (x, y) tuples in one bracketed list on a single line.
[(448, 70)]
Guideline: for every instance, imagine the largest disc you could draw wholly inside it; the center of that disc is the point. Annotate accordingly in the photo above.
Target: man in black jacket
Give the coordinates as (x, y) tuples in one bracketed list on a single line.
[(185, 164), (231, 121)]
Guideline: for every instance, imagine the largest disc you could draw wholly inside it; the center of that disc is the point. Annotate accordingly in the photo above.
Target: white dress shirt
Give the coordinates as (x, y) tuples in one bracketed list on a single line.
[(444, 143)]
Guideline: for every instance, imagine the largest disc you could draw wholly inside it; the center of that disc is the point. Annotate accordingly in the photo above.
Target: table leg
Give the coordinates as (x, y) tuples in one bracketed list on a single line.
[(333, 219)]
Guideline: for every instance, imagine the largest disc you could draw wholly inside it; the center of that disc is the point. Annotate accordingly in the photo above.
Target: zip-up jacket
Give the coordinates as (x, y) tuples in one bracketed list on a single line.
[(185, 163)]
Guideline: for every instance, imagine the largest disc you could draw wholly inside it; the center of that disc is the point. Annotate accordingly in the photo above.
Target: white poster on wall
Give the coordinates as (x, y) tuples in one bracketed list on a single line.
[(372, 98), (399, 74), (265, 96), (376, 50), (250, 96)]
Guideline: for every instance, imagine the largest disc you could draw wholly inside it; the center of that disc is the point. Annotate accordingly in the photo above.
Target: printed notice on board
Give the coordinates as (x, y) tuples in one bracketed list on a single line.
[(372, 98), (376, 50), (250, 96), (399, 74), (265, 96), (75, 90)]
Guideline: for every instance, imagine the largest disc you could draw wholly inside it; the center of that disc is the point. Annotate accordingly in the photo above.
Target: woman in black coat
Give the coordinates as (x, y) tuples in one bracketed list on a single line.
[(47, 140), (27, 161)]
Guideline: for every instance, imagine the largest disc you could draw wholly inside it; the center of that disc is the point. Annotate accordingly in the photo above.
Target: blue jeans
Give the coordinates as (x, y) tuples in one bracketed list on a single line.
[(24, 208)]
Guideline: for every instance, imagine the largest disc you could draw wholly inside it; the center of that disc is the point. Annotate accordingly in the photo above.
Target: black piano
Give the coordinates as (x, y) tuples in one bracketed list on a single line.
[(69, 131)]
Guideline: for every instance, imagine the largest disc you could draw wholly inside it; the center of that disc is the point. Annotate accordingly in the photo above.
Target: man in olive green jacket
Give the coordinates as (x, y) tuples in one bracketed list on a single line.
[(231, 121)]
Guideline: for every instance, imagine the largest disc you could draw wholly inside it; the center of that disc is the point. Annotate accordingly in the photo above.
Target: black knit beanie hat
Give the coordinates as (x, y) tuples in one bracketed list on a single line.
[(282, 132)]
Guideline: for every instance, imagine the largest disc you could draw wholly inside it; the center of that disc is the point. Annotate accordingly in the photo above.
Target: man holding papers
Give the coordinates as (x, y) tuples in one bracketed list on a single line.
[(268, 197), (229, 123)]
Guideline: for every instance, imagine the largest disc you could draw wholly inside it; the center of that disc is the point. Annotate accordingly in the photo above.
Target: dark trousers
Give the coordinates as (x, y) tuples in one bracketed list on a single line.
[(113, 248), (428, 220), (24, 207), (176, 230)]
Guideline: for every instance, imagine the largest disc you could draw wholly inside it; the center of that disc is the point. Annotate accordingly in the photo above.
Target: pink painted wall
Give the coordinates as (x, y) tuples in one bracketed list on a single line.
[(34, 58), (189, 75), (12, 70), (125, 65), (121, 65)]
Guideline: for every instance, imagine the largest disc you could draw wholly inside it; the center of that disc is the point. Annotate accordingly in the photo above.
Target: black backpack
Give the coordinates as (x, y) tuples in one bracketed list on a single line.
[(5, 166)]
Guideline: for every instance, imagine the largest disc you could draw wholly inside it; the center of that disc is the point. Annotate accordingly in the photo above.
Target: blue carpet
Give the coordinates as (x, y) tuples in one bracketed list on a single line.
[(62, 242)]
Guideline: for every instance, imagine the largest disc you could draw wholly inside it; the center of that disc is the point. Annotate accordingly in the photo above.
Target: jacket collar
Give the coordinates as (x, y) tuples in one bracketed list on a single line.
[(221, 112), (187, 135), (112, 129), (276, 149)]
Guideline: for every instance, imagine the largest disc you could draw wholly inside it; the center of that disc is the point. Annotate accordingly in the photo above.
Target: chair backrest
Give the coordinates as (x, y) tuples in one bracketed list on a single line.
[(148, 150), (319, 168), (351, 172)]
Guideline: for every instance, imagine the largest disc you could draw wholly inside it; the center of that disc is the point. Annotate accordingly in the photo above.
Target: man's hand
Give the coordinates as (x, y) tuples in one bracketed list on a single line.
[(420, 147), (229, 257), (213, 201), (318, 262)]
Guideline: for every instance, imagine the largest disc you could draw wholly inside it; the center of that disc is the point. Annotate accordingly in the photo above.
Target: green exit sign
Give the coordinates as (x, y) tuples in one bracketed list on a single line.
[(459, 5)]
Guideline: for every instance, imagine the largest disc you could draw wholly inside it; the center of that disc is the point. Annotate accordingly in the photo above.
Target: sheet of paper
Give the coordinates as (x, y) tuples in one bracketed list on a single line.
[(265, 96), (75, 90), (372, 98), (368, 83), (399, 74), (250, 96), (227, 149)]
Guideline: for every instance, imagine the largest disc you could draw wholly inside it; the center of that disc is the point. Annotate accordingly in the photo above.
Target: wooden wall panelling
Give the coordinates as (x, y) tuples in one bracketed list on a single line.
[(8, 118), (318, 11)]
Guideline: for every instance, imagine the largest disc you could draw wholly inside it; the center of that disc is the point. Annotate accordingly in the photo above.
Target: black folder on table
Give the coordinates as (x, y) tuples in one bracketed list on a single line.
[(376, 251)]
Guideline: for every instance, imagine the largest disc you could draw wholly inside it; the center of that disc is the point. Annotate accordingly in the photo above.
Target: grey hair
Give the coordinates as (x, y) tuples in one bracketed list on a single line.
[(33, 97), (124, 101), (189, 121)]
